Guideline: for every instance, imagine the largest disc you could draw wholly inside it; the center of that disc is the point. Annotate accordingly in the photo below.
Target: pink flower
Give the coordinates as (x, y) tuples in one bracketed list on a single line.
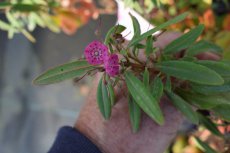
[(96, 52), (111, 65)]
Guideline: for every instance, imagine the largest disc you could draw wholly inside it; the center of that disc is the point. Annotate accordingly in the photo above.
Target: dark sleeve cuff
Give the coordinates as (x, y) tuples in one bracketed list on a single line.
[(70, 140)]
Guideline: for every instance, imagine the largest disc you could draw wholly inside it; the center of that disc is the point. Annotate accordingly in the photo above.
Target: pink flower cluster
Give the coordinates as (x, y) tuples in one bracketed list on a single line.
[(97, 53)]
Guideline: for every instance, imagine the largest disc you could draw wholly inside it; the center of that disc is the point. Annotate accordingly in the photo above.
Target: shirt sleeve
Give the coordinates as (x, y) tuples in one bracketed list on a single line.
[(70, 140)]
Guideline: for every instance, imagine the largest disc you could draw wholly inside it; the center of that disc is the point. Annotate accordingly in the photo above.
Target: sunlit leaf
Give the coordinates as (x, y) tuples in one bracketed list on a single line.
[(26, 7), (13, 21), (184, 41), (143, 98), (4, 26), (190, 71), (4, 5), (28, 35)]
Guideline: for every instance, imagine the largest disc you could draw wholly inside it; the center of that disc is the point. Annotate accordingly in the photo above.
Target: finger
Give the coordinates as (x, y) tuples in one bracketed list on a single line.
[(208, 56)]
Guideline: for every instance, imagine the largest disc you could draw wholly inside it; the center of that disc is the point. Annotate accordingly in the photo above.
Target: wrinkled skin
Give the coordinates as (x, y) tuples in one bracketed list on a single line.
[(115, 135)]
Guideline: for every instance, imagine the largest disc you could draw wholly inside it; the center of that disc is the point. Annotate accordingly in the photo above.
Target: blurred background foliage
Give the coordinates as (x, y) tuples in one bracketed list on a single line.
[(214, 14), (24, 16)]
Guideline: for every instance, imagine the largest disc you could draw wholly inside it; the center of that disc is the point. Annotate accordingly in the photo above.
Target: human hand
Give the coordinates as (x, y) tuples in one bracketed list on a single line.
[(115, 135)]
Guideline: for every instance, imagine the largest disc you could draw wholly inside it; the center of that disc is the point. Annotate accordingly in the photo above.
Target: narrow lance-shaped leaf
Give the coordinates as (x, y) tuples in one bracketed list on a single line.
[(113, 30), (168, 84), (13, 21), (206, 122), (135, 114), (190, 71), (204, 101), (103, 100), (160, 27), (183, 106), (143, 98), (203, 46), (146, 78), (223, 111), (184, 41), (136, 26), (110, 90), (4, 5), (157, 88), (204, 146), (149, 46), (26, 7), (5, 26), (66, 71), (28, 35), (204, 89), (221, 68)]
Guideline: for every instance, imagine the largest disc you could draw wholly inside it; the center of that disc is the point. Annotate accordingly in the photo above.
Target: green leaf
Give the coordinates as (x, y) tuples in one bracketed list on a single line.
[(140, 46), (66, 71), (136, 26), (113, 30), (160, 27), (206, 122), (11, 32), (157, 88), (183, 106), (188, 58), (4, 5), (168, 84), (204, 146), (143, 98), (149, 46), (146, 78), (28, 35), (13, 21), (190, 71), (203, 46), (221, 68), (203, 101), (26, 7), (5, 26), (110, 90), (37, 19), (223, 111), (135, 114), (184, 41), (103, 100), (204, 89)]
